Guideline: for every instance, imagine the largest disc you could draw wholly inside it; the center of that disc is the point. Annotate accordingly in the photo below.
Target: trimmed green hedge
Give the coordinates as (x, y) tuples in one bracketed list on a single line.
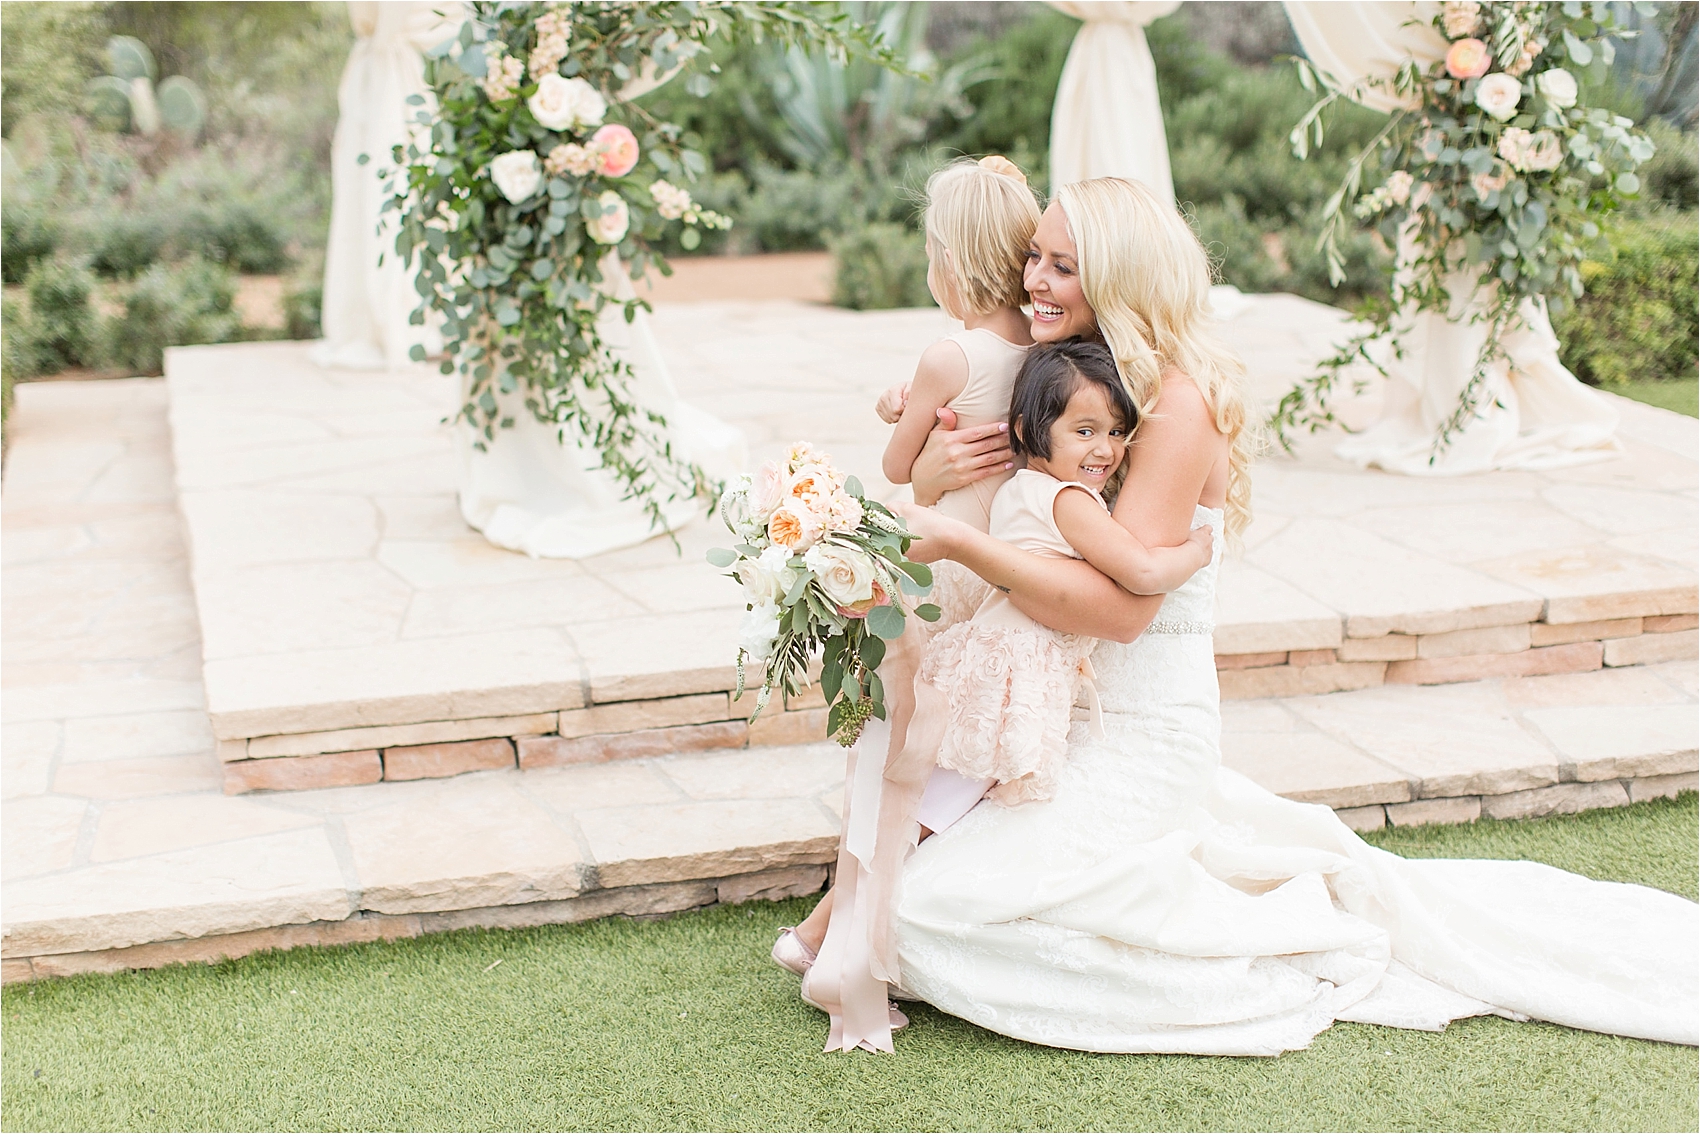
[(1637, 320)]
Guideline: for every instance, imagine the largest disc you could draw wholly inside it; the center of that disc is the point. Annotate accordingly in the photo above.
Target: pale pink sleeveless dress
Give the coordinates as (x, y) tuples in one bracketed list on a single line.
[(1010, 683), (993, 362), (992, 365)]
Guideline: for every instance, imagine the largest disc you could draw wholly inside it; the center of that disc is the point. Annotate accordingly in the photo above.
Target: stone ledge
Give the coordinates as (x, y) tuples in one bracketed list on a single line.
[(1646, 649), (780, 872), (1578, 657), (363, 927)]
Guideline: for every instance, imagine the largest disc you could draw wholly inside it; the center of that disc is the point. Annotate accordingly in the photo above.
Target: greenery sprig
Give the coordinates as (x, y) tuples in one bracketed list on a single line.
[(1496, 169), (533, 177)]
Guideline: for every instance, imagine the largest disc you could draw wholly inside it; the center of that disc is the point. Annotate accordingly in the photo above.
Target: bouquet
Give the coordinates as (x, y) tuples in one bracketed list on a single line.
[(534, 175), (1496, 167), (823, 568)]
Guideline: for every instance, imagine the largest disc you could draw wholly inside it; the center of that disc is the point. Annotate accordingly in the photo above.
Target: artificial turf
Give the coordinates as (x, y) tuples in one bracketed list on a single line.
[(683, 1024), (1679, 394)]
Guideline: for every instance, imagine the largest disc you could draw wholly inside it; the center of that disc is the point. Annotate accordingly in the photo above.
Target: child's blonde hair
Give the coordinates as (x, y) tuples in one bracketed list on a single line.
[(1148, 281), (982, 214)]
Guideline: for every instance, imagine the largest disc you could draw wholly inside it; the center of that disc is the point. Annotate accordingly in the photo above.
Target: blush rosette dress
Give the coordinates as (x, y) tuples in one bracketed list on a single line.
[(1159, 902), (1007, 684)]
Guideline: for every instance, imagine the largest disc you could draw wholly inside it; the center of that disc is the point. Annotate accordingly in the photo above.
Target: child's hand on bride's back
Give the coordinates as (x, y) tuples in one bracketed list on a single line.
[(1204, 538), (891, 403)]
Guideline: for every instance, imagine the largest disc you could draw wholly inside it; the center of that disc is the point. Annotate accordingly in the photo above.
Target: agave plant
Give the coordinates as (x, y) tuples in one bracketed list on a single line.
[(126, 99), (859, 112)]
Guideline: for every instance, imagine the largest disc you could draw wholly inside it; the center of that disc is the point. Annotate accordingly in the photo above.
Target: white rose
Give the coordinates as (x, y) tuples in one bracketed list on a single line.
[(1559, 87), (516, 174), (1399, 186), (1499, 96), (1545, 153), (566, 104), (846, 574), (611, 226), (560, 101), (756, 633)]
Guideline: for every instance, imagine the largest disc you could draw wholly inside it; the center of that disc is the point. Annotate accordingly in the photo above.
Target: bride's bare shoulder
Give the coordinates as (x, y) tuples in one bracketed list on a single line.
[(1181, 409)]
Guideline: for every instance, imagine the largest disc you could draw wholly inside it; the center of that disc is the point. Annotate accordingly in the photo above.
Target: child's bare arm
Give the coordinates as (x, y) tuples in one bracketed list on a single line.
[(940, 376), (1113, 550)]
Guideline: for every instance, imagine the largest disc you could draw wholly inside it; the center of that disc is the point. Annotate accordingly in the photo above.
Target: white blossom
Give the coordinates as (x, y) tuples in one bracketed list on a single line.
[(610, 227), (516, 174), (566, 104), (1558, 86), (1499, 95)]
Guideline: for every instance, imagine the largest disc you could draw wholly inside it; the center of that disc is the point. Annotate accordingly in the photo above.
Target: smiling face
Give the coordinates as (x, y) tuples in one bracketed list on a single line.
[(1088, 442), (1052, 278)]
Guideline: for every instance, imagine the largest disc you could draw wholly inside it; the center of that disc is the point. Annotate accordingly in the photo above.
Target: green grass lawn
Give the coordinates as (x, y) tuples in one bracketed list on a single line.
[(684, 1024), (1679, 394)]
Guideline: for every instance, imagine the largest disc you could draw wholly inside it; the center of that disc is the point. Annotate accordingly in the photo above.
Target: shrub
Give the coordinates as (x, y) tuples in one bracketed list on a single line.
[(127, 243), (303, 302), (26, 236), (190, 302), (1637, 319), (59, 329), (880, 265), (1672, 177), (237, 234)]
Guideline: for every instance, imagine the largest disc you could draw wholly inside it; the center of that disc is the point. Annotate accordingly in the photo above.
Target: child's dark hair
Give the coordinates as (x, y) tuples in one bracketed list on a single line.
[(1049, 377)]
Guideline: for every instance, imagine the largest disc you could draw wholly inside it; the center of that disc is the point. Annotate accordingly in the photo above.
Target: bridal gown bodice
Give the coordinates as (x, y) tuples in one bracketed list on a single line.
[(1161, 903)]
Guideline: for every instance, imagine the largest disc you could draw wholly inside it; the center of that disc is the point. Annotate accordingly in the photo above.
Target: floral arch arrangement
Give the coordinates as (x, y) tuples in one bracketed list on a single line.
[(535, 176), (1497, 173)]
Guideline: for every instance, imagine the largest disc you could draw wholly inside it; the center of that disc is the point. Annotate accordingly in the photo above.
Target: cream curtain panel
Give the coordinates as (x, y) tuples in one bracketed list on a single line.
[(366, 307), (1107, 121), (1536, 414)]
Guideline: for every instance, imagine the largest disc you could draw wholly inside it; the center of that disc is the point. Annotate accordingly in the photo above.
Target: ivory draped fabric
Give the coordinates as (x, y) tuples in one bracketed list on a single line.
[(366, 306), (530, 491), (1107, 121), (1535, 413)]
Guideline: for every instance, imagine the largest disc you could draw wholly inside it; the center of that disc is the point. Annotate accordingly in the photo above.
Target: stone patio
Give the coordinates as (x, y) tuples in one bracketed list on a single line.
[(121, 848), (355, 629)]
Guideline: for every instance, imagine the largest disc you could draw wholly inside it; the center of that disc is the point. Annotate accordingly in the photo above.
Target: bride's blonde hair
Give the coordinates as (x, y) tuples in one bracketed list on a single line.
[(1148, 281)]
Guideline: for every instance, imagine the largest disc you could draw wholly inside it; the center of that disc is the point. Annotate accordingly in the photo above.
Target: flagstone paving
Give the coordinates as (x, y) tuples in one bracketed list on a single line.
[(122, 850), (346, 608)]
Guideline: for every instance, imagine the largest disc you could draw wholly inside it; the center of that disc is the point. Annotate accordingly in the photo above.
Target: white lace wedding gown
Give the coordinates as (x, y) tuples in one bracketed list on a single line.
[(1162, 903)]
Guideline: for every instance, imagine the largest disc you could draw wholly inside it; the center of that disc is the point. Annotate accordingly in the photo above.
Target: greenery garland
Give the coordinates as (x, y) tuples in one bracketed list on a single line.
[(531, 171), (1496, 166)]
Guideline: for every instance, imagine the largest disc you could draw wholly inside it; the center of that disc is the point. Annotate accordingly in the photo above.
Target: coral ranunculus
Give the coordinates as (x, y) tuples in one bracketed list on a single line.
[(618, 147), (1468, 59)]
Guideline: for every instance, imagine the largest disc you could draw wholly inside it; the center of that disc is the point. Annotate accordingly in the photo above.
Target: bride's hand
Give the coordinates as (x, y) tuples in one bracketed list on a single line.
[(954, 457), (934, 533)]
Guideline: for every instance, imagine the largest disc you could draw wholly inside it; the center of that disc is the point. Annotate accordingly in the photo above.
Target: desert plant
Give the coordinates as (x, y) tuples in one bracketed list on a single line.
[(1637, 319), (125, 98), (173, 305), (880, 265), (862, 113)]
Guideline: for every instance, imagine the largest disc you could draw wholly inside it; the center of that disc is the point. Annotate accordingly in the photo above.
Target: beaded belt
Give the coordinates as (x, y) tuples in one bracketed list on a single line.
[(1180, 626)]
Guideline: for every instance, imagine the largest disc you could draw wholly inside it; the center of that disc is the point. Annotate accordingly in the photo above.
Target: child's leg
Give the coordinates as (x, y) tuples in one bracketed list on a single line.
[(811, 931)]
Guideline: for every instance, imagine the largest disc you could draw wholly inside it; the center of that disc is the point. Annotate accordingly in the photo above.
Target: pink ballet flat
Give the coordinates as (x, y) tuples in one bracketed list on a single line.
[(790, 953), (893, 1013)]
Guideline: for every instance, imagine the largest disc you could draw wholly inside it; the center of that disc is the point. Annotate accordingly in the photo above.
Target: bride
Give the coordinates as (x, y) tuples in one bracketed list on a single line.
[(1160, 902)]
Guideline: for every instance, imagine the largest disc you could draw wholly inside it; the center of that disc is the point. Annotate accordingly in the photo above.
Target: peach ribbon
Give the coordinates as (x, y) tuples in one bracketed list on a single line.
[(885, 775)]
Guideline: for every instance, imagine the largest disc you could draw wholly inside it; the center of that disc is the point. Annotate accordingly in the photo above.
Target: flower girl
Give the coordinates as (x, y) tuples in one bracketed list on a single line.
[(1010, 683), (980, 219)]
